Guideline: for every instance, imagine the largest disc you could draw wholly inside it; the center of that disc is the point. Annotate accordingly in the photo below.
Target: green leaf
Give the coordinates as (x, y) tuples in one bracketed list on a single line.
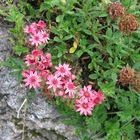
[(109, 33), (128, 132), (57, 39), (59, 18), (79, 53), (124, 116), (20, 50), (42, 46), (114, 77), (14, 15), (93, 76), (107, 88), (112, 129), (97, 119), (68, 37), (96, 38)]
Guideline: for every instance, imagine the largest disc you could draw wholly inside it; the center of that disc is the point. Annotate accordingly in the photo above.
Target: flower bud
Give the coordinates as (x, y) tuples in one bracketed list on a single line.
[(128, 23), (126, 75), (115, 10)]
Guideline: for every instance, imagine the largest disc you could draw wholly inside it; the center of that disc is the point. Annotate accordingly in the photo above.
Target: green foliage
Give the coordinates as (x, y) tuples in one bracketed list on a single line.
[(20, 49), (87, 23), (16, 64), (94, 122), (13, 15)]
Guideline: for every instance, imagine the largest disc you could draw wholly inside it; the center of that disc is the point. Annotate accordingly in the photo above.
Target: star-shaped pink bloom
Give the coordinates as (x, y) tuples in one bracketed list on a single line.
[(54, 82), (98, 98), (45, 37), (84, 107), (46, 60), (86, 93), (37, 52), (36, 39), (26, 73), (70, 89), (41, 24), (45, 74), (29, 59), (29, 30), (63, 70), (32, 80)]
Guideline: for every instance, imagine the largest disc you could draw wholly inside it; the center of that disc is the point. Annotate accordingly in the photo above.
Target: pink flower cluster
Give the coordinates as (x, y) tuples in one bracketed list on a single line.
[(37, 33), (39, 64), (87, 100), (59, 81)]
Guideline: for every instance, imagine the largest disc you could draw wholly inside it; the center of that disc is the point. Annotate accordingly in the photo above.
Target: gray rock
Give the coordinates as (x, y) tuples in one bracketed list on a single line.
[(38, 121)]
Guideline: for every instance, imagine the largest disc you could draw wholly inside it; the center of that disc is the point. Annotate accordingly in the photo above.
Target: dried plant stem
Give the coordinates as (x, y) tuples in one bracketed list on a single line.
[(18, 112)]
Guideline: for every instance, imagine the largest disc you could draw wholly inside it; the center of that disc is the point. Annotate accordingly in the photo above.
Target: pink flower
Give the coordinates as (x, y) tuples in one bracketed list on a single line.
[(86, 93), (49, 56), (34, 26), (98, 98), (73, 77), (70, 89), (47, 60), (84, 107), (37, 52), (37, 33), (60, 93), (36, 39), (29, 60), (45, 74), (63, 70), (45, 37), (54, 82), (29, 30), (25, 73), (41, 24), (40, 66), (32, 80), (38, 60), (87, 99)]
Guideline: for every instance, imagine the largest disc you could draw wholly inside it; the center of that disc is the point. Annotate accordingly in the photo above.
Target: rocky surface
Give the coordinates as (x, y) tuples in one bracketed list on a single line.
[(38, 120)]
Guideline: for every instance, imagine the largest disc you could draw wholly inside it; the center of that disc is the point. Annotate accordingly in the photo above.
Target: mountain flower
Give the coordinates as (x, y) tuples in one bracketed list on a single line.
[(32, 80), (54, 82), (84, 107)]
